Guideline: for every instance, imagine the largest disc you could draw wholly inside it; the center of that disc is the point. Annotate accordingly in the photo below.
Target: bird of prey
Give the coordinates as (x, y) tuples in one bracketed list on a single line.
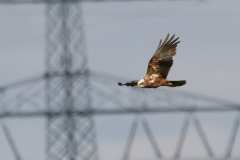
[(159, 66)]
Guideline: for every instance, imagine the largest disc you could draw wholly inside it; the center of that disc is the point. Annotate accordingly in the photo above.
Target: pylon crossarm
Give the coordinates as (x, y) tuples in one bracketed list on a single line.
[(107, 95), (96, 75), (21, 83), (58, 1), (105, 78), (177, 98), (103, 112), (161, 96), (205, 99), (29, 97)]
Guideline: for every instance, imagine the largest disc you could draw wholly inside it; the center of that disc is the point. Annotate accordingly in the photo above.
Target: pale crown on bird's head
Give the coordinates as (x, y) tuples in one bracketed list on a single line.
[(140, 83)]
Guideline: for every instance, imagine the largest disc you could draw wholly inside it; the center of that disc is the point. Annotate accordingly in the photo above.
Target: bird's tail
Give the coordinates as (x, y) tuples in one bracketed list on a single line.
[(177, 83)]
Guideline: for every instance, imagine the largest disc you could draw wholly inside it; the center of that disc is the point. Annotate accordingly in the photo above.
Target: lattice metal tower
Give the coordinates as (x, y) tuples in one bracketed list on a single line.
[(69, 136)]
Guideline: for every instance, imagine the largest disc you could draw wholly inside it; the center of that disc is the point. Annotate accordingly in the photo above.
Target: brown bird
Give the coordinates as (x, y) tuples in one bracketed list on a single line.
[(159, 66)]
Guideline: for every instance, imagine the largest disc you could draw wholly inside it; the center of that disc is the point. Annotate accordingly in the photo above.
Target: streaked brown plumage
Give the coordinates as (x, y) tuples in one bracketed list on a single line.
[(159, 67)]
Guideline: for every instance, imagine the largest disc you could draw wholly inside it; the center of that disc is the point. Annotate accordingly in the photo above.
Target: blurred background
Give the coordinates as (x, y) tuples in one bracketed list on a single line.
[(120, 37)]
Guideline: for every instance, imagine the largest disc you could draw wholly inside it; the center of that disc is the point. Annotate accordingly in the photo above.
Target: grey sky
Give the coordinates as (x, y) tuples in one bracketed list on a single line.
[(121, 38)]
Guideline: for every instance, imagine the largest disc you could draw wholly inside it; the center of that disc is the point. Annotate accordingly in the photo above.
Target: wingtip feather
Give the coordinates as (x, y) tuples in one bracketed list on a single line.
[(169, 41), (166, 39), (174, 41), (159, 45)]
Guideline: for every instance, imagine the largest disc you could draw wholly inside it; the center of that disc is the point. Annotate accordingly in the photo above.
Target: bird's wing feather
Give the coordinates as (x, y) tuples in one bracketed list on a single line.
[(161, 61), (131, 83)]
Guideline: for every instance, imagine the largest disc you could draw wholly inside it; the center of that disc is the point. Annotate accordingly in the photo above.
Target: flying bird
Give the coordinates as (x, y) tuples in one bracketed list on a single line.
[(159, 67)]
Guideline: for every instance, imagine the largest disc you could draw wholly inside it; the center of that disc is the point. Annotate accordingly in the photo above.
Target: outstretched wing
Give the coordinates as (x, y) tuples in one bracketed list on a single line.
[(161, 61), (131, 83)]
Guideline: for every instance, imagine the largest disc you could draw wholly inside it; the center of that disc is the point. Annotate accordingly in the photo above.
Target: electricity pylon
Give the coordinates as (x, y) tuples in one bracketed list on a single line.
[(66, 89), (71, 100)]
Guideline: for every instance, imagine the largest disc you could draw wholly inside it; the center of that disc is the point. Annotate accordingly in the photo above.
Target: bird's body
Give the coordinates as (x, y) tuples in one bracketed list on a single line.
[(159, 67), (153, 82)]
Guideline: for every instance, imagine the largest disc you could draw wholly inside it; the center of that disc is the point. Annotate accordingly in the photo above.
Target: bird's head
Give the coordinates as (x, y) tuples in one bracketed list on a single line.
[(140, 83)]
